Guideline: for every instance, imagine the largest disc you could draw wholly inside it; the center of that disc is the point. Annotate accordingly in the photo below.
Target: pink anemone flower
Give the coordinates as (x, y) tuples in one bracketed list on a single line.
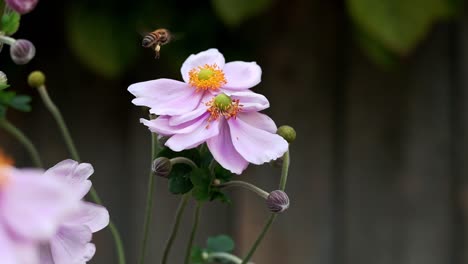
[(235, 132), (32, 208), (203, 73), (72, 243)]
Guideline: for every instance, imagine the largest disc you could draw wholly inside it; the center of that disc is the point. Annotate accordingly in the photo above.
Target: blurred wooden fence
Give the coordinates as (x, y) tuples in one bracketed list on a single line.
[(378, 172)]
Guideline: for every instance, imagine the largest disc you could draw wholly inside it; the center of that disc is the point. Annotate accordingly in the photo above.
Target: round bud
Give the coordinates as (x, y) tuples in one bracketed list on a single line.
[(222, 101), (162, 167), (22, 51), (216, 182), (22, 6), (36, 79), (277, 201), (287, 132)]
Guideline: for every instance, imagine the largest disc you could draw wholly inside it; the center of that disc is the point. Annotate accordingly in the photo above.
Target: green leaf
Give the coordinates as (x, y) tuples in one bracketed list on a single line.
[(3, 110), (10, 23), (180, 184), (399, 25), (21, 103), (3, 86), (221, 243), (6, 97), (234, 12), (218, 195), (222, 174), (201, 180), (196, 256), (375, 51), (102, 42)]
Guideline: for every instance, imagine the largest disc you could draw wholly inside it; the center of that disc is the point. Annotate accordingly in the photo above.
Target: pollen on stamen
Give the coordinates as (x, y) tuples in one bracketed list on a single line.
[(216, 110), (207, 77), (5, 165)]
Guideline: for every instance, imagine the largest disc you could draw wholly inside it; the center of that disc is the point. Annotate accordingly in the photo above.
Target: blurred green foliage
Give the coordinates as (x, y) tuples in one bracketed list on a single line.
[(10, 23), (234, 12), (9, 99), (389, 28)]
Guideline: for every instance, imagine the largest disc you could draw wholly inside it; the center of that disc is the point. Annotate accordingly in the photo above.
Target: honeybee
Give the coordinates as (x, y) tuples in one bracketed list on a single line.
[(157, 38)]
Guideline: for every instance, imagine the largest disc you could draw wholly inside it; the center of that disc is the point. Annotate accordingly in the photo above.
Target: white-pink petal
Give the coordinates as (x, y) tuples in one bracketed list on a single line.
[(94, 216), (255, 145), (74, 173), (242, 75), (250, 101), (203, 132), (223, 151), (161, 125), (259, 120), (210, 57), (165, 96), (70, 245)]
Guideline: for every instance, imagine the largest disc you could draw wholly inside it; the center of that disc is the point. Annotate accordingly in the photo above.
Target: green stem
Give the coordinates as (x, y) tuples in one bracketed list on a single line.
[(266, 227), (225, 256), (175, 227), (245, 185), (196, 221), (284, 171), (53, 109), (60, 122), (183, 160), (7, 40), (21, 137), (149, 201)]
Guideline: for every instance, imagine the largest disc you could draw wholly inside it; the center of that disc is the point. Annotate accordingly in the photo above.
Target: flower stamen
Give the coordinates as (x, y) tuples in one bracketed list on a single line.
[(207, 77), (223, 106), (5, 165)]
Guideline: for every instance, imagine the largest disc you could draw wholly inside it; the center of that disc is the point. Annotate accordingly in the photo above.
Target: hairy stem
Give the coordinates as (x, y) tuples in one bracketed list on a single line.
[(224, 256), (21, 137), (149, 200), (175, 227), (266, 227), (183, 160), (196, 221), (245, 185), (53, 109)]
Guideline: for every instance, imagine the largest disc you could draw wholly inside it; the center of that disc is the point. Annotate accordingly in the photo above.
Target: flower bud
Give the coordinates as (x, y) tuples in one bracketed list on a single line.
[(22, 51), (22, 6), (3, 80), (162, 167), (287, 132), (277, 201), (36, 79)]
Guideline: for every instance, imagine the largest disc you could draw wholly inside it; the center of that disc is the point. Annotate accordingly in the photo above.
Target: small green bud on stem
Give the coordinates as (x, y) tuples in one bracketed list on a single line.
[(287, 132), (36, 79)]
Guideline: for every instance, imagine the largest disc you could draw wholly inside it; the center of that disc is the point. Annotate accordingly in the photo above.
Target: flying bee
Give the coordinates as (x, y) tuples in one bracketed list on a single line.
[(156, 39)]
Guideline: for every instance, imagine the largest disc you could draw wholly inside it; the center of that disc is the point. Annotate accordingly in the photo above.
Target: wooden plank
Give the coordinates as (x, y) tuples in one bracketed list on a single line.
[(398, 162), (299, 83)]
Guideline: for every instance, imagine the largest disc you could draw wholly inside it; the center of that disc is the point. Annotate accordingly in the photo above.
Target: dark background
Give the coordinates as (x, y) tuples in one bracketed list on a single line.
[(378, 172)]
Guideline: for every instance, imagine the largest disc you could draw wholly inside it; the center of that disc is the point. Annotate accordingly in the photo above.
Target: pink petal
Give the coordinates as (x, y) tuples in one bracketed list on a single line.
[(94, 216), (14, 251), (34, 206), (70, 245), (251, 101), (74, 173), (199, 111), (210, 57), (180, 142), (224, 152), (165, 96), (242, 75), (161, 125), (259, 120), (90, 251), (255, 145), (7, 252)]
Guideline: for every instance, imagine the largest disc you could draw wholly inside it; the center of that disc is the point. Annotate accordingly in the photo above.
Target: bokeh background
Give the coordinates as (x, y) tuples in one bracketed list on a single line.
[(377, 91)]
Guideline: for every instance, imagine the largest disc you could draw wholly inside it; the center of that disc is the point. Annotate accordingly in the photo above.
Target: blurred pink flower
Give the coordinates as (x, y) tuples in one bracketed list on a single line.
[(234, 131), (203, 73), (31, 210), (22, 6), (71, 244)]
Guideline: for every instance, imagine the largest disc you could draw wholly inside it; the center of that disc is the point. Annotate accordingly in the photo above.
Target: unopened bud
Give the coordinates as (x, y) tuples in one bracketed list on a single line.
[(162, 167), (3, 80), (287, 132), (22, 51), (36, 79), (277, 201), (22, 6)]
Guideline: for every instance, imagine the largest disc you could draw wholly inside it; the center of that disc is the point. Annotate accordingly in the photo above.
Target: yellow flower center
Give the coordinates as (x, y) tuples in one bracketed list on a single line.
[(223, 106), (207, 77), (5, 166)]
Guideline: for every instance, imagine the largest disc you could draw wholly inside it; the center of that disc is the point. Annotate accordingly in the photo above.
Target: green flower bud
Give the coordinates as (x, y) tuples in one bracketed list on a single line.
[(222, 101), (3, 80), (287, 132), (205, 74), (36, 79)]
